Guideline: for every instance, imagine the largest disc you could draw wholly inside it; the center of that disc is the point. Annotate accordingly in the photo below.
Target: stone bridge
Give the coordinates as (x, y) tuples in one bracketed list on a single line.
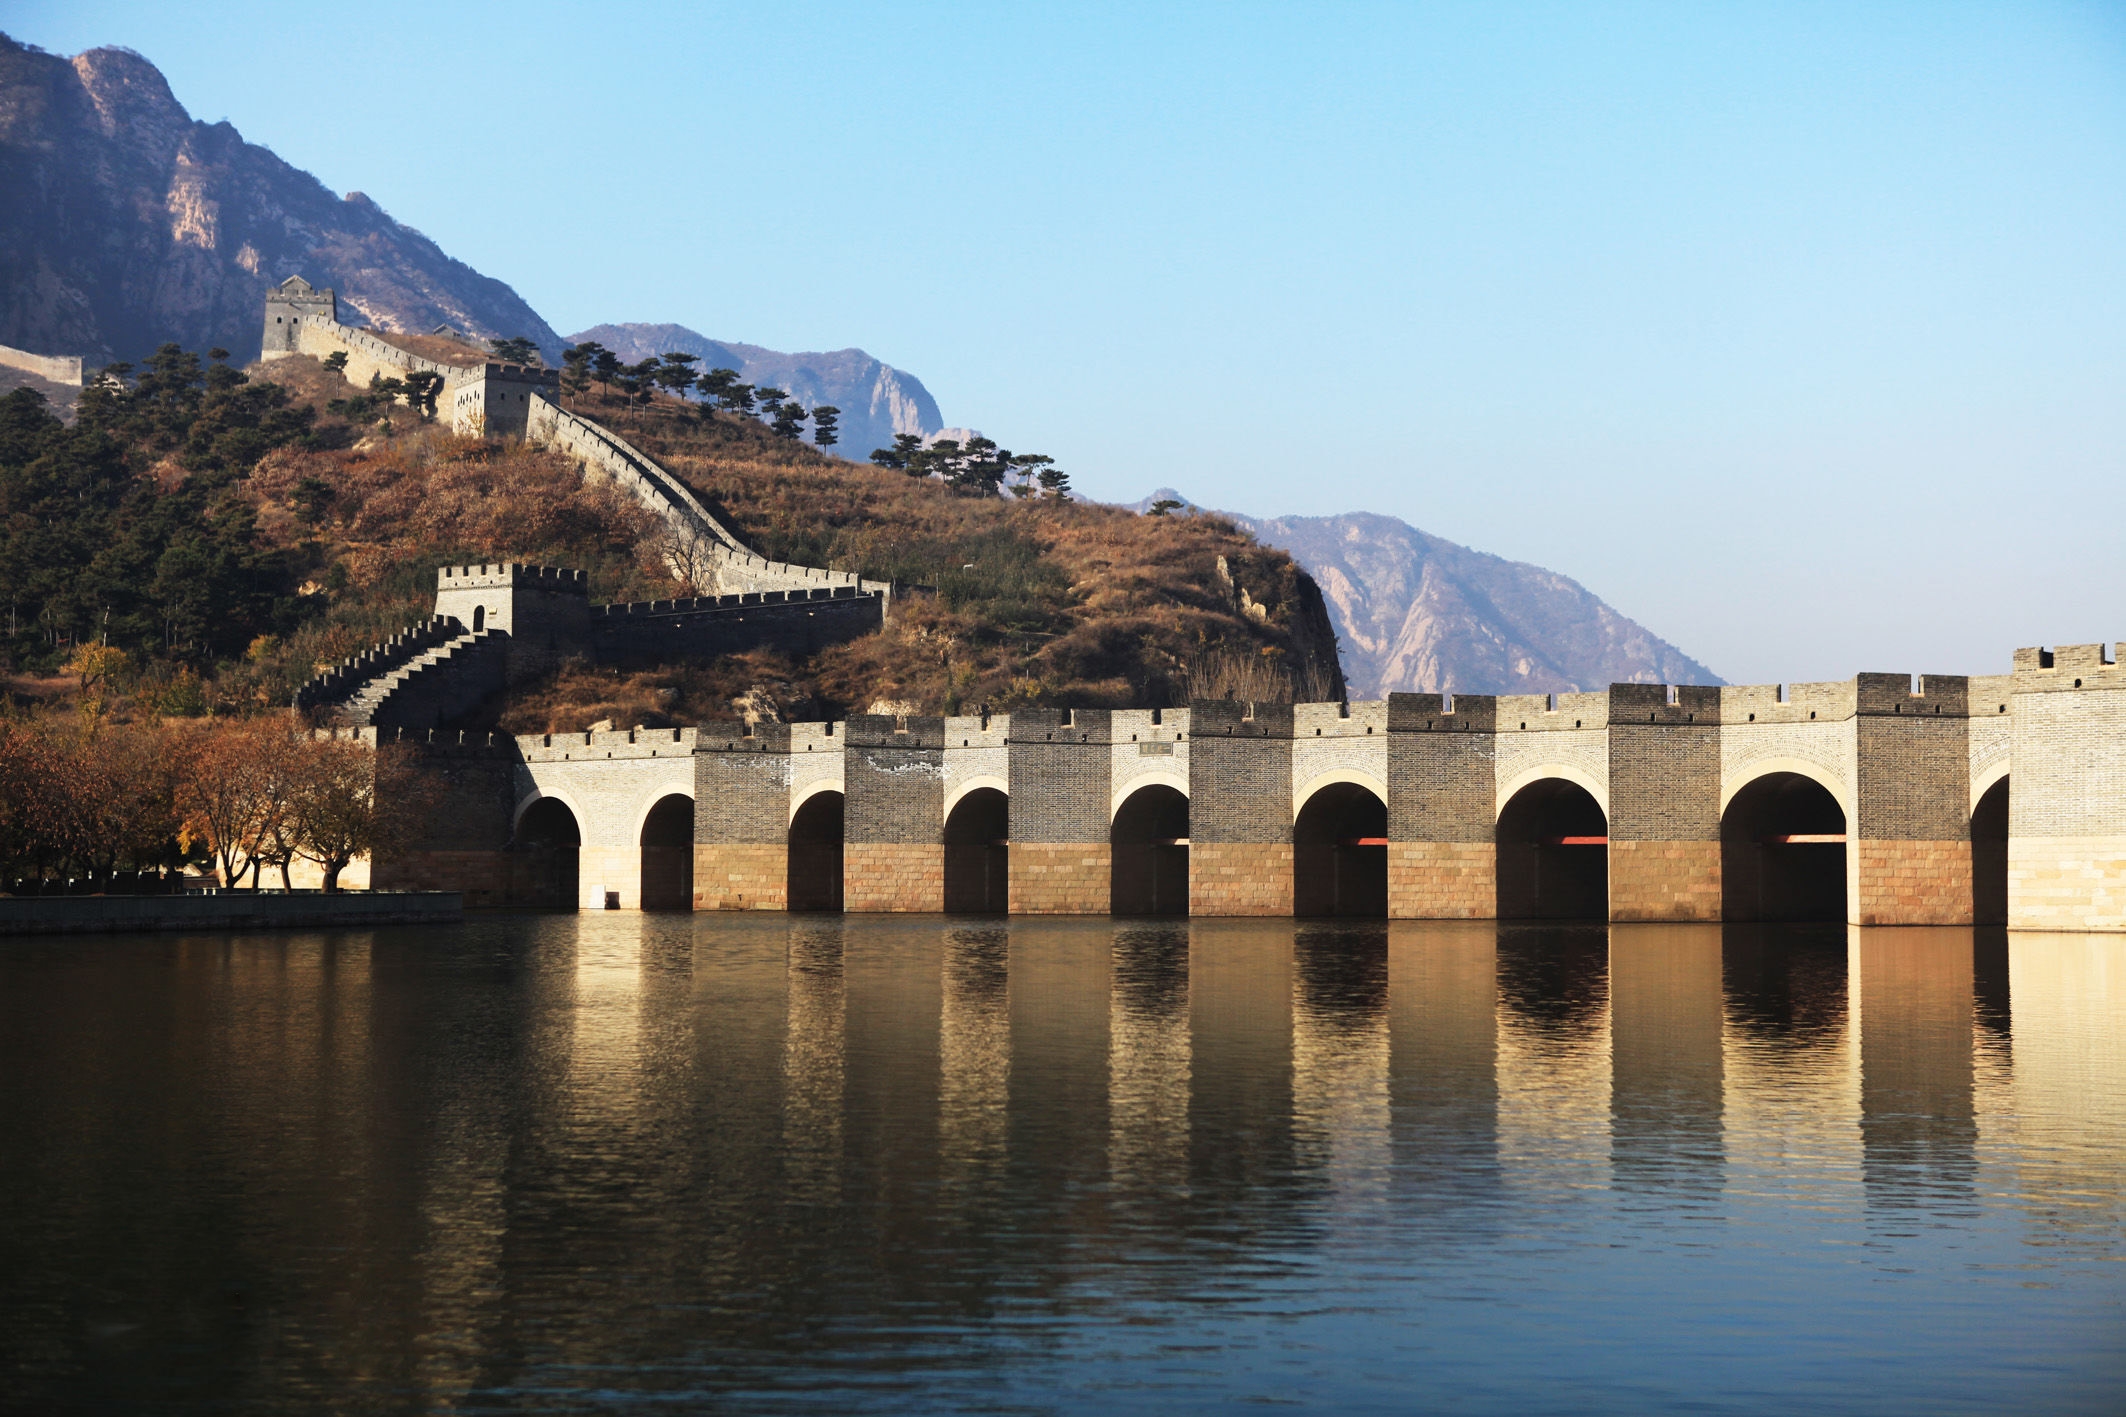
[(1882, 800)]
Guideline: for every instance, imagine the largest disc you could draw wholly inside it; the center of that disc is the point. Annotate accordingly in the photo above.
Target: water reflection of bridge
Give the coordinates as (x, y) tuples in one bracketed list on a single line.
[(643, 1134)]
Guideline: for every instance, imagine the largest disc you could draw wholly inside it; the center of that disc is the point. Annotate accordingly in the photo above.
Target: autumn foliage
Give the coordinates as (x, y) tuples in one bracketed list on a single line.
[(99, 803)]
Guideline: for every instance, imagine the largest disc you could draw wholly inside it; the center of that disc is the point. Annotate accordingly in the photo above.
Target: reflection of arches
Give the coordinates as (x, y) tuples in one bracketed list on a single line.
[(815, 873), (1783, 850), (543, 855), (1989, 855), (1553, 853), (1148, 846), (977, 860), (1340, 853), (668, 854)]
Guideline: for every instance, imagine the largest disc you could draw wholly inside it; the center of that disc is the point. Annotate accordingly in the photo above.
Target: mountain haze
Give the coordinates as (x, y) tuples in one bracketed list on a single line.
[(876, 400), (125, 224), (1418, 613)]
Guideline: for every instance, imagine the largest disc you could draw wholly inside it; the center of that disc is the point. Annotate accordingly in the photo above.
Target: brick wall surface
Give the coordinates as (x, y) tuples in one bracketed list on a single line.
[(1442, 770), (1240, 778), (1914, 766), (1060, 775), (742, 784), (1148, 743), (1911, 882), (1240, 878), (893, 877), (1664, 880), (1350, 740), (1442, 880), (484, 876), (1664, 763), (1052, 878), (894, 782), (741, 876), (2067, 882)]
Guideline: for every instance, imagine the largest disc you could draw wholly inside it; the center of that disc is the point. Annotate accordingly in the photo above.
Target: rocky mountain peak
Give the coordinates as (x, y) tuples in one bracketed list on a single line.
[(124, 223)]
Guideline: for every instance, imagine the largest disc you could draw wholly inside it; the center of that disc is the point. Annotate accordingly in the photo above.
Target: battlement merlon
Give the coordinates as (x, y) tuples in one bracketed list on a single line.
[(2036, 666), (514, 574)]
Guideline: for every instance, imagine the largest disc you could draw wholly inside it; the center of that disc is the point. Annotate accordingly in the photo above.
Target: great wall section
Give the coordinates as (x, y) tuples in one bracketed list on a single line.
[(1883, 800), (446, 668)]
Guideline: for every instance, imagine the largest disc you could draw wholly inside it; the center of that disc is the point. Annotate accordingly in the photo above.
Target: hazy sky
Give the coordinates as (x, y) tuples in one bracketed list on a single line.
[(1798, 333)]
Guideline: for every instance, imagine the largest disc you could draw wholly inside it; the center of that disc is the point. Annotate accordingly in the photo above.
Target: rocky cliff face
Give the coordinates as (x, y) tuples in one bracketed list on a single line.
[(1415, 613), (876, 400), (124, 223)]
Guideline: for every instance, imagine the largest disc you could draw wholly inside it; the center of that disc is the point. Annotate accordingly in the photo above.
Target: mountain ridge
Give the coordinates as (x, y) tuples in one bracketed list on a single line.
[(125, 224), (876, 400), (1418, 613)]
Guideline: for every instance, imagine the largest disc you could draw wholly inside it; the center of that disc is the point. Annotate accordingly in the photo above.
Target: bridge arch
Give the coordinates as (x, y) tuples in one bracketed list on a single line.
[(1148, 848), (1984, 780), (1989, 849), (1565, 772), (666, 838), (1552, 836), (1783, 845), (977, 850), (545, 851), (982, 782), (1340, 848), (814, 871), (1349, 776), (1829, 779), (811, 790), (1142, 780)]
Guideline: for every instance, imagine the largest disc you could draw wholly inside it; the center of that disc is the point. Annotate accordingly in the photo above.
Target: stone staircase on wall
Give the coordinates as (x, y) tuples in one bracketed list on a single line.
[(443, 682), (334, 686)]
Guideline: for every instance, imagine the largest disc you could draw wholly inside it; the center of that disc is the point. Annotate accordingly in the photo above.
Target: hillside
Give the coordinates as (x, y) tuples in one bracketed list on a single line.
[(232, 532), (1033, 601), (876, 400), (124, 224)]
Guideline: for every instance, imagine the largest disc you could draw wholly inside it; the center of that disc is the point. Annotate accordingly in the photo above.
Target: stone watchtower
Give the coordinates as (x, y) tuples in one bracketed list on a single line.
[(544, 610), (286, 305)]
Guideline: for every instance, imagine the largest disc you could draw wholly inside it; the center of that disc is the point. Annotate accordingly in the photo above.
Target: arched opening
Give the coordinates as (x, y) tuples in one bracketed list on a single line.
[(1553, 854), (815, 880), (668, 855), (1148, 846), (1782, 851), (1340, 854), (977, 860), (544, 855), (1989, 857), (479, 618)]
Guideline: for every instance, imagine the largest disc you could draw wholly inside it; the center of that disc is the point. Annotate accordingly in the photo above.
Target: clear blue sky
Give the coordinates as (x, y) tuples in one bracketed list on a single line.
[(1796, 332)]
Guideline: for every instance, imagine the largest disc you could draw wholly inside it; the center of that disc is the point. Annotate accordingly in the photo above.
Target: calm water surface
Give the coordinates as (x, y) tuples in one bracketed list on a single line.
[(783, 1164)]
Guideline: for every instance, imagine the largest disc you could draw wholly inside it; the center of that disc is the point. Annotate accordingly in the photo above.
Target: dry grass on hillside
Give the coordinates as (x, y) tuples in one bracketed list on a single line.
[(1036, 601), (1027, 601)]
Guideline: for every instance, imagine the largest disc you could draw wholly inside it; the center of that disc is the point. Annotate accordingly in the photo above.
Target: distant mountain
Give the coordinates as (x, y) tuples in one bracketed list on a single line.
[(876, 400), (1414, 612), (124, 224)]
